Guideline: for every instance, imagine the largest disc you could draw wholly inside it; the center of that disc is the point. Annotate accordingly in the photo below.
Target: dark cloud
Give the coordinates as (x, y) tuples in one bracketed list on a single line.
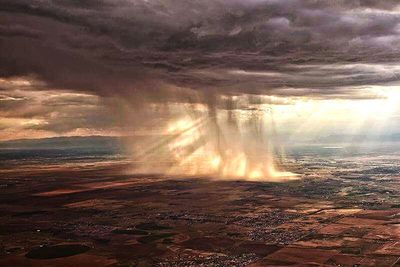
[(326, 49)]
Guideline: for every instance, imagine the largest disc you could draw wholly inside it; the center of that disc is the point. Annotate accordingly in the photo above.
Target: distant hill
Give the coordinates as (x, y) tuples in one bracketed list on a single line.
[(338, 138)]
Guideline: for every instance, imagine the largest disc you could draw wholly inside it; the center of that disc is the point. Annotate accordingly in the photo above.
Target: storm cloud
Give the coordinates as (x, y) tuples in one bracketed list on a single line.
[(167, 51)]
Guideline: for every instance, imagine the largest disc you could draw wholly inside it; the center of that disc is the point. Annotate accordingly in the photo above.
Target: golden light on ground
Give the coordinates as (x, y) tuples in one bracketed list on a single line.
[(195, 146)]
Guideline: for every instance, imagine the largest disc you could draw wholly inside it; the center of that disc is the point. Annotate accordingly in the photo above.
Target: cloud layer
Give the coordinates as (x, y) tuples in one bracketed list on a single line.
[(244, 46)]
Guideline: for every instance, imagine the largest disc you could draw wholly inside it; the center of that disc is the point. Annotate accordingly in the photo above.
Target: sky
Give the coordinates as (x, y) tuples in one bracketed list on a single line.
[(123, 67)]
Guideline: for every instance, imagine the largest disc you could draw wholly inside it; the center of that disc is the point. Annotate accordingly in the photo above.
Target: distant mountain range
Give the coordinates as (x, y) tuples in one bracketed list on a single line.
[(63, 142)]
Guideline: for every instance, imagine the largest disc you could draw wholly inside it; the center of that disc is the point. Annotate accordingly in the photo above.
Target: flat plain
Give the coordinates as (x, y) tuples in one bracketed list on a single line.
[(344, 211)]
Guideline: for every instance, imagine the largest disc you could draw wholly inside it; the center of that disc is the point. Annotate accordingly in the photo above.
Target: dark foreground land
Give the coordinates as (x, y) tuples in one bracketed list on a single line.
[(92, 215)]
